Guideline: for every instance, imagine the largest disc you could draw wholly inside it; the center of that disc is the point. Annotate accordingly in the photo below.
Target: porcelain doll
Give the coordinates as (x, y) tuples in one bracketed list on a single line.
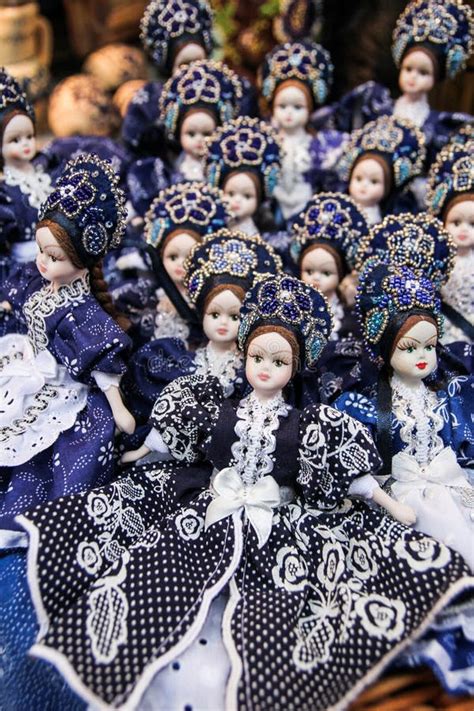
[(24, 185), (243, 157), (451, 197), (267, 558), (378, 162), (59, 385), (294, 79), (219, 272), (429, 442)]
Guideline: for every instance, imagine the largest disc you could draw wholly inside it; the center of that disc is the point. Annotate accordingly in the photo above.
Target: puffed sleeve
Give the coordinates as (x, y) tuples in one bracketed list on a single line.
[(335, 450), (88, 340), (185, 414)]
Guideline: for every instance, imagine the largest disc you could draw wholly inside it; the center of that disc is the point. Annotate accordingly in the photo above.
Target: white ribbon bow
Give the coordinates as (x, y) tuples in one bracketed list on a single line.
[(258, 501), (443, 469)]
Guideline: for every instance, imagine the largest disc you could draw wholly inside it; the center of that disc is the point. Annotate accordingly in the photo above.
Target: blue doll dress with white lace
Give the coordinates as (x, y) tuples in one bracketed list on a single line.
[(56, 426), (125, 578)]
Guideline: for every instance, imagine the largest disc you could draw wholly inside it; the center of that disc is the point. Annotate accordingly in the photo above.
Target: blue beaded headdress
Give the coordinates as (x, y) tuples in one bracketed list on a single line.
[(89, 205), (193, 206), (288, 302), (398, 141), (166, 22), (12, 97), (296, 19), (228, 257), (306, 62), (202, 84), (444, 26), (245, 144), (331, 219), (419, 242), (451, 174), (386, 291)]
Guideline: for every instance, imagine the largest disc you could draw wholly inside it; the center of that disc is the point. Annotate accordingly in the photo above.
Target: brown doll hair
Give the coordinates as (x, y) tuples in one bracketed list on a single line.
[(298, 85), (407, 325), (387, 172), (175, 233), (97, 281), (4, 123), (286, 334), (430, 54), (253, 177), (460, 197), (237, 291)]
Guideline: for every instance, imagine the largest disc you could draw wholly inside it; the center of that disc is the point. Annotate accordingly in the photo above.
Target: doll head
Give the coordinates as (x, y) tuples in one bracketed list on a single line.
[(196, 126), (413, 351), (271, 359), (459, 222), (17, 128), (295, 78), (176, 33), (297, 312), (382, 156), (442, 30), (176, 247), (325, 239), (242, 190), (208, 90), (221, 317)]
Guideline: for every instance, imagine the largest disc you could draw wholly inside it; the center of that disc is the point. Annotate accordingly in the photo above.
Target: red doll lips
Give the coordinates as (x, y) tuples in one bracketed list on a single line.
[(263, 376), (222, 331), (421, 366)]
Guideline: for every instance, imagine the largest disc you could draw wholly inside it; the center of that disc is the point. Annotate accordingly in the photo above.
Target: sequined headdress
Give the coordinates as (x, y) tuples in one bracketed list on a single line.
[(306, 62), (89, 205), (446, 27), (398, 141), (386, 292), (12, 97), (228, 257), (419, 242), (193, 206), (203, 84), (245, 144), (451, 174), (166, 22), (331, 219), (288, 302)]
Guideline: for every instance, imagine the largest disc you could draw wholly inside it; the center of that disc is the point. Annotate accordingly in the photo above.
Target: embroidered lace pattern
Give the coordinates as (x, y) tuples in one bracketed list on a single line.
[(170, 325), (223, 366), (36, 185), (459, 293), (415, 111), (41, 401), (253, 452), (45, 302), (337, 311), (415, 410)]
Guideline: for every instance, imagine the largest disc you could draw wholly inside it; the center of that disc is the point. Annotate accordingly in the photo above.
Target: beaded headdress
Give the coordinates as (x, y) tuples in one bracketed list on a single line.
[(244, 144), (398, 141), (451, 174), (331, 219), (166, 22), (203, 84), (89, 205), (386, 291), (417, 241), (306, 62), (446, 27), (228, 257), (285, 301), (296, 19), (193, 206), (12, 97)]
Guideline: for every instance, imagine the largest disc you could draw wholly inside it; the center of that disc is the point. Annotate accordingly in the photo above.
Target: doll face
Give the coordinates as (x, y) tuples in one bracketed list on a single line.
[(414, 356), (195, 128), (187, 55), (222, 318), (460, 224), (290, 109), (175, 252), (241, 195), (19, 142), (53, 262), (416, 74), (367, 183), (269, 364), (319, 269)]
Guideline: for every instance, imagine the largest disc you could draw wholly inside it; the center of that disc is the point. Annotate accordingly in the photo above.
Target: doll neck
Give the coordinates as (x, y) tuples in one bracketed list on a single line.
[(217, 349), (372, 213), (82, 275), (410, 386), (266, 399), (294, 134), (245, 225), (19, 167), (192, 168), (414, 107)]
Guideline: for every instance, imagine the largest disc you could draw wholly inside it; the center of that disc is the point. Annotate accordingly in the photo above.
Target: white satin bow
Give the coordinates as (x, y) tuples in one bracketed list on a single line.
[(443, 469), (258, 501)]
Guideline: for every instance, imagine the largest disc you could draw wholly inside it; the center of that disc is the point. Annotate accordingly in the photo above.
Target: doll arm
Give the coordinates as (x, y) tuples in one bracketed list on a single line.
[(367, 487), (109, 384), (153, 443)]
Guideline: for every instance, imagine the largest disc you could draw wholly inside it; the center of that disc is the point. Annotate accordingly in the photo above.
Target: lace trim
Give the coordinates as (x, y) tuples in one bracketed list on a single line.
[(223, 366), (168, 325), (415, 410), (337, 310), (372, 214), (40, 403), (252, 453), (37, 186), (459, 291), (45, 302), (417, 112)]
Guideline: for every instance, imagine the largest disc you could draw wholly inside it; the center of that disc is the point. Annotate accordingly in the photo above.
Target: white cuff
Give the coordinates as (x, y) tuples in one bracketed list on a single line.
[(106, 380), (154, 441), (363, 486)]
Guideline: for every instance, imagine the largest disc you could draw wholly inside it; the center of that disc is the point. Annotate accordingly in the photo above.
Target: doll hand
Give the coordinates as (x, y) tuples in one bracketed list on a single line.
[(348, 288), (403, 513), (124, 420), (5, 306), (134, 455)]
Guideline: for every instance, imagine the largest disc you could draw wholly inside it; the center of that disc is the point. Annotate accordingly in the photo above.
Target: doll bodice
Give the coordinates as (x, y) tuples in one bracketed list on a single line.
[(35, 185), (223, 366), (415, 111)]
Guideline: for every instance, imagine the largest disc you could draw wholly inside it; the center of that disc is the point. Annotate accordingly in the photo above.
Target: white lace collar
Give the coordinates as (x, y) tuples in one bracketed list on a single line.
[(416, 111), (337, 311), (222, 365), (247, 226), (36, 185)]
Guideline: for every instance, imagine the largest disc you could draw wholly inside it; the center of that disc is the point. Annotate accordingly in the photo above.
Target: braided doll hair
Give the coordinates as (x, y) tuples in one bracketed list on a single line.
[(97, 281)]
